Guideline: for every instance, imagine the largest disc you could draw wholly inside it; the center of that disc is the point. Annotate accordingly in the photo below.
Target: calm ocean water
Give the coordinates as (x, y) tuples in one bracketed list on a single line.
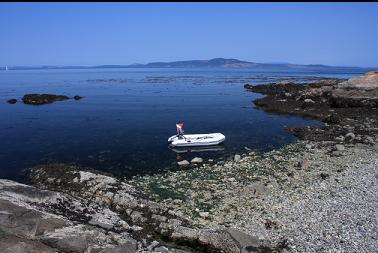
[(123, 122)]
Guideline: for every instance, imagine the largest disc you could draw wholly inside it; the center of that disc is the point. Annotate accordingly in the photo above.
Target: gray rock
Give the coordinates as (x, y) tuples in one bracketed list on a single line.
[(153, 245), (369, 140), (336, 153), (249, 243), (96, 222), (237, 158), (184, 233), (309, 101), (127, 246), (197, 160), (137, 217), (15, 244), (340, 138), (204, 215), (339, 147), (257, 189), (26, 222), (67, 243), (161, 249), (183, 163), (350, 136), (159, 218), (220, 240)]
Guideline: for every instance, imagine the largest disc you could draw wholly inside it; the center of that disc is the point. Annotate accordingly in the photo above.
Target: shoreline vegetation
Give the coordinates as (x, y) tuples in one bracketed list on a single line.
[(318, 194)]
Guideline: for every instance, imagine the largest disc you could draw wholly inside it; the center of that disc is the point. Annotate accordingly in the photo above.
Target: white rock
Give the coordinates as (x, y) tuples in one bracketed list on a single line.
[(183, 163), (197, 160), (237, 158), (204, 215), (309, 101), (339, 147)]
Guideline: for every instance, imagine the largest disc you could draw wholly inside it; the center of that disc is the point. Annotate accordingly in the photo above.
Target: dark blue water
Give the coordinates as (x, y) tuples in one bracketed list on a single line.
[(123, 122)]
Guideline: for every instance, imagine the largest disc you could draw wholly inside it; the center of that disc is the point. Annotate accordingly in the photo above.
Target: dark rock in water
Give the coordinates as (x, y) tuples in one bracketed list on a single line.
[(12, 101), (40, 99), (77, 97)]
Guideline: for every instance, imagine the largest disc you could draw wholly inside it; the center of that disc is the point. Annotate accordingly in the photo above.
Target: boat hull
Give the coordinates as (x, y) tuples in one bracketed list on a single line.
[(196, 140)]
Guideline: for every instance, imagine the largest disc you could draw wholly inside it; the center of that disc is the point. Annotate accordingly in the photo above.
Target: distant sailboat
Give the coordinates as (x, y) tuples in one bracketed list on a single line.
[(6, 68)]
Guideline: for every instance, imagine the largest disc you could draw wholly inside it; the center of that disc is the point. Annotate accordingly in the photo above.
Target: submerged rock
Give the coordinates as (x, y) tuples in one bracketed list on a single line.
[(40, 99), (12, 101), (77, 97)]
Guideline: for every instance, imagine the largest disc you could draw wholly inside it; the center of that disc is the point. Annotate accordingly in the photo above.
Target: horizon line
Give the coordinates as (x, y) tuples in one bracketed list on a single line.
[(135, 64)]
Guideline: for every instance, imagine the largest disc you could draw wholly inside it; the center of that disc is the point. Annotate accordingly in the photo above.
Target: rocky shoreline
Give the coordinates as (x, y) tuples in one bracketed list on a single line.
[(319, 194)]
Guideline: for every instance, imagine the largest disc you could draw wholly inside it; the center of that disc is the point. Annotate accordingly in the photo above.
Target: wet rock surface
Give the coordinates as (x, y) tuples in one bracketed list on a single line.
[(40, 99)]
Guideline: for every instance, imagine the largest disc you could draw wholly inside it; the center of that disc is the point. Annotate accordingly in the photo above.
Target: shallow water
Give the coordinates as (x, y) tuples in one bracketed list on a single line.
[(126, 116)]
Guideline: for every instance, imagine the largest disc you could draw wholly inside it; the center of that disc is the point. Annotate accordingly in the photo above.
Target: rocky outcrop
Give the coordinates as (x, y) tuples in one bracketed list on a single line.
[(72, 210), (40, 99), (343, 105), (369, 81), (34, 220), (357, 92)]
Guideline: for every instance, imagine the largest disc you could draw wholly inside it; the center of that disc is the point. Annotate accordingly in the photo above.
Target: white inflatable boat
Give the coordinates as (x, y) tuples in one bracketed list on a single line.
[(188, 140)]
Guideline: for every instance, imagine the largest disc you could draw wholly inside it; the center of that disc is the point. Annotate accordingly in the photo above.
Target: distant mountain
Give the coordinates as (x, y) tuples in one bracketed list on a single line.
[(213, 63)]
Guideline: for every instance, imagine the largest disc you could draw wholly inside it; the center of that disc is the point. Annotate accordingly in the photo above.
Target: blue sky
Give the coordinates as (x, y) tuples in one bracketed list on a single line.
[(123, 33)]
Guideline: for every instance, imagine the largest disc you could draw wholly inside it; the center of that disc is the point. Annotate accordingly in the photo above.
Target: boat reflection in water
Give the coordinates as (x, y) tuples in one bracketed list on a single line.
[(181, 150)]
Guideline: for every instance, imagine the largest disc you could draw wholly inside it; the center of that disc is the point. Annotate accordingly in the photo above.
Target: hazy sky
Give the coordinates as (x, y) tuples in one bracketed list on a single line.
[(124, 33)]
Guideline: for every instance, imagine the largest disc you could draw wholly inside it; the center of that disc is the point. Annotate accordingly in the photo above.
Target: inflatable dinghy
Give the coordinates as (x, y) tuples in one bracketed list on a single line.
[(190, 140)]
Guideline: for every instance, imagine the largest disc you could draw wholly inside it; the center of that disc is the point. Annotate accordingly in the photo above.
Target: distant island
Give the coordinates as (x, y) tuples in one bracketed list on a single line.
[(212, 63)]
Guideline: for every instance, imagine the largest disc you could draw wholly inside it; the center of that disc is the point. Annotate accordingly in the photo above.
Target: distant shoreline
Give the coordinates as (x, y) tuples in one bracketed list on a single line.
[(207, 64)]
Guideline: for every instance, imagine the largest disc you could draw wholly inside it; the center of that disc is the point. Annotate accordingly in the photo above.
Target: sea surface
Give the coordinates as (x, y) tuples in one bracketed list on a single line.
[(123, 122)]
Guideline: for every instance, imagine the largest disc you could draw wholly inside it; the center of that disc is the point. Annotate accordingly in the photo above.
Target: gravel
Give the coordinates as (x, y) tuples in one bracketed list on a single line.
[(305, 199)]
